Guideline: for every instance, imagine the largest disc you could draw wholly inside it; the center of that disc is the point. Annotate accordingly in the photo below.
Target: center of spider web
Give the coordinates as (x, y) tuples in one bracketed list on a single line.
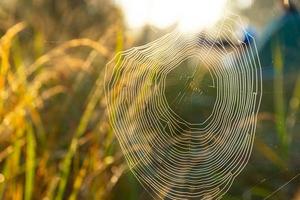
[(190, 90)]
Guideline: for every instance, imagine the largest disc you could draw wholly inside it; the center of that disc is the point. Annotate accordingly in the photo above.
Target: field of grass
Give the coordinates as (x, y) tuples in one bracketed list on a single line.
[(55, 141)]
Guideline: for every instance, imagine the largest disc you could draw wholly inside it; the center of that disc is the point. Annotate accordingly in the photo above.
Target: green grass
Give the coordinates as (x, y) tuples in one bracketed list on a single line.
[(40, 158)]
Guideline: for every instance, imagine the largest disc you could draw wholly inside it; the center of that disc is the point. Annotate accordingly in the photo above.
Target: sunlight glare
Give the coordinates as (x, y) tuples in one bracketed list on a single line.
[(189, 15)]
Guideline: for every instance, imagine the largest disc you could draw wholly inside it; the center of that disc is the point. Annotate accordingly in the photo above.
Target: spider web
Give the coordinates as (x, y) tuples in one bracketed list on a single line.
[(184, 110)]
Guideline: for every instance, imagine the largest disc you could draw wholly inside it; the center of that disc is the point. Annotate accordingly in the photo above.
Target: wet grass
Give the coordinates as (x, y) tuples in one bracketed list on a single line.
[(45, 153)]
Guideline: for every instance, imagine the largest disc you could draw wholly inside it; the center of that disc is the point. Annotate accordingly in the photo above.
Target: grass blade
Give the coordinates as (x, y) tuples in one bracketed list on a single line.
[(30, 163)]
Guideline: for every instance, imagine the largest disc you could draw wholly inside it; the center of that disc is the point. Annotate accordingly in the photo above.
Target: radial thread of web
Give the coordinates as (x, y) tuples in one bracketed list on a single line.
[(172, 157)]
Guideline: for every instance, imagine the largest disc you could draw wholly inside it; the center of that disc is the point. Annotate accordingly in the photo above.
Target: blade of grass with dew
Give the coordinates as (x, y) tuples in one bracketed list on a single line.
[(38, 43), (294, 106), (93, 100), (88, 62), (14, 165), (30, 162), (279, 101), (51, 188), (119, 47), (21, 76), (95, 95), (9, 81), (78, 180), (5, 153), (5, 45), (5, 175), (7, 171), (269, 153)]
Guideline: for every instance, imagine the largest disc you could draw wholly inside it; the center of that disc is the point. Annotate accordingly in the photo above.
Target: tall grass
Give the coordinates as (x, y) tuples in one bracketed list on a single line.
[(39, 157), (279, 100)]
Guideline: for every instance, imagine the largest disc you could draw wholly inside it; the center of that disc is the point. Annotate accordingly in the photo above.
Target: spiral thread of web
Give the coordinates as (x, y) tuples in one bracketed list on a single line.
[(172, 157)]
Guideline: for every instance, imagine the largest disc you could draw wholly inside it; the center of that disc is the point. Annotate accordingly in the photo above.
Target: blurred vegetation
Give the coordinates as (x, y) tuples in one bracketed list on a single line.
[(55, 141)]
